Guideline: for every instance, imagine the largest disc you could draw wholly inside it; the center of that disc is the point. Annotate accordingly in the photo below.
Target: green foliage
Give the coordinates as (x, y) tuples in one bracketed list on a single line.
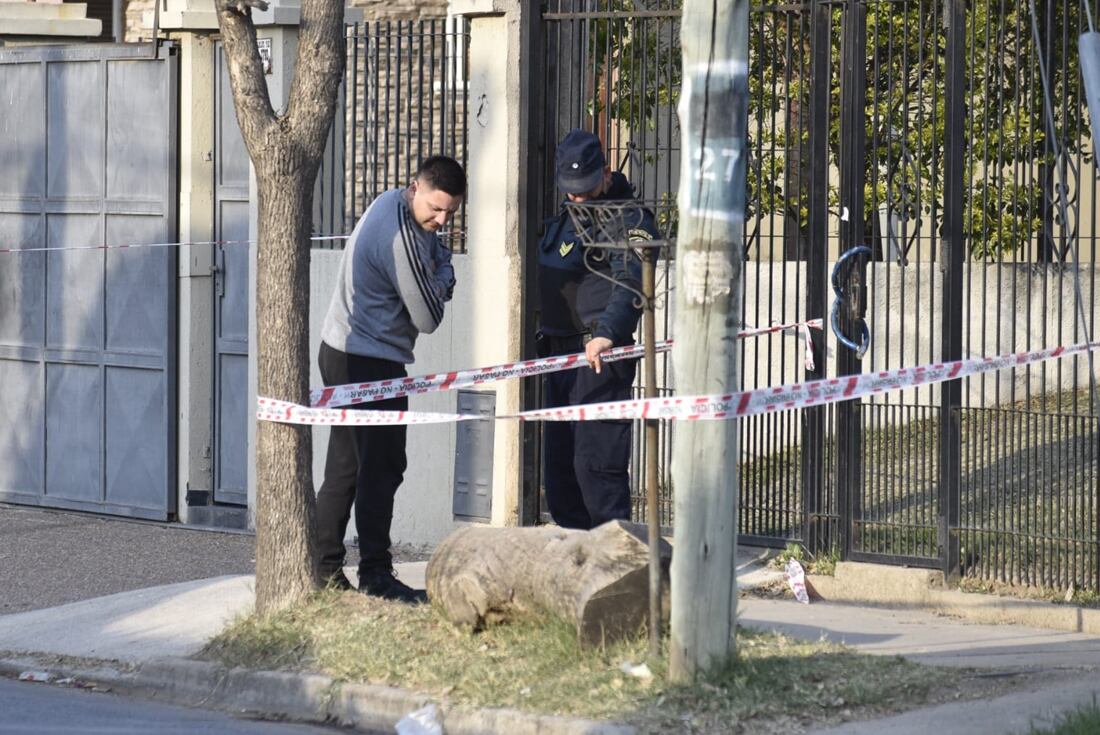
[(1086, 598), (823, 563), (826, 562), (1082, 721), (904, 114), (1008, 170), (646, 72), (790, 551)]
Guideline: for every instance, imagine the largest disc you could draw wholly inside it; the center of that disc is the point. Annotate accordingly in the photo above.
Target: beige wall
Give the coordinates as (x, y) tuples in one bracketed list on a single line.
[(482, 325), (1008, 309)]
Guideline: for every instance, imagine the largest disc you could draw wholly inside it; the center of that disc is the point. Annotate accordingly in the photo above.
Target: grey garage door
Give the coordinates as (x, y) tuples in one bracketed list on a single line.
[(87, 333)]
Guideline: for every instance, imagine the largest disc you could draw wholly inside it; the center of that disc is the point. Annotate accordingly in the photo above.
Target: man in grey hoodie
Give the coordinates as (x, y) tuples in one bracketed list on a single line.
[(394, 280)]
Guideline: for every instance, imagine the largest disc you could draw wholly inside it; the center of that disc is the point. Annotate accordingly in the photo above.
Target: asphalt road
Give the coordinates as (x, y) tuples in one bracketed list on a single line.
[(52, 557), (42, 709)]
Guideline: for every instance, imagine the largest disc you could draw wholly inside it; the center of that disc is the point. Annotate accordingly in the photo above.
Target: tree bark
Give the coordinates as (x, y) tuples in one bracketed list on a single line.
[(286, 152), (285, 538), (598, 580)]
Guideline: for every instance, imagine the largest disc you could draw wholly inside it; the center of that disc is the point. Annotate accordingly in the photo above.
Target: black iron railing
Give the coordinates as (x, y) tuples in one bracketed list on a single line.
[(916, 128), (403, 99)]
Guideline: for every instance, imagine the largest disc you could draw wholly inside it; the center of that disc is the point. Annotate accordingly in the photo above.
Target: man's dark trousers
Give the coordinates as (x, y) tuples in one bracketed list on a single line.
[(585, 462), (365, 464)]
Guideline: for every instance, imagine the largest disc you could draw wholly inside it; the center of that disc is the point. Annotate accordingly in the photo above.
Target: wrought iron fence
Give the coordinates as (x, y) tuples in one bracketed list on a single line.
[(615, 72), (914, 127), (403, 99)]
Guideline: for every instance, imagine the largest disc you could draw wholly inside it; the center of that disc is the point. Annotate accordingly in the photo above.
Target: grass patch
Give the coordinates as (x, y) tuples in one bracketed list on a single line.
[(1072, 596), (823, 563), (539, 666), (1084, 721)]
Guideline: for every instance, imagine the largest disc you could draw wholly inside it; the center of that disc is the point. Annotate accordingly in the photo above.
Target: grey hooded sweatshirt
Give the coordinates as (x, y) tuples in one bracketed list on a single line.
[(394, 280)]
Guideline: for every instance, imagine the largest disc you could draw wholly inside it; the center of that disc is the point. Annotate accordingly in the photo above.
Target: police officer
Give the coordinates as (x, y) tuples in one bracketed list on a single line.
[(585, 462)]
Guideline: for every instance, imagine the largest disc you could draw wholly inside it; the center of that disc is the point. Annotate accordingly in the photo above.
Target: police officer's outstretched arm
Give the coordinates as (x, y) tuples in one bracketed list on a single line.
[(620, 317)]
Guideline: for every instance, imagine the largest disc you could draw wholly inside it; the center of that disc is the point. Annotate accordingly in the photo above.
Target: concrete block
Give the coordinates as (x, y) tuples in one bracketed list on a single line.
[(477, 7), (463, 721), (10, 10), (373, 707), (886, 583), (69, 27), (179, 680), (297, 696), (877, 584)]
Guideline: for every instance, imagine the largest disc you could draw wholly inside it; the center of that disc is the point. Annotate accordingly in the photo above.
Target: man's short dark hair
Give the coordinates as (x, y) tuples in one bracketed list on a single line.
[(443, 173)]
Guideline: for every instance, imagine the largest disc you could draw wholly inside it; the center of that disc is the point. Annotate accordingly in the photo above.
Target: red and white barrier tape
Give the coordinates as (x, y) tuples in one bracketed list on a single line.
[(355, 393), (694, 408), (798, 395), (285, 412)]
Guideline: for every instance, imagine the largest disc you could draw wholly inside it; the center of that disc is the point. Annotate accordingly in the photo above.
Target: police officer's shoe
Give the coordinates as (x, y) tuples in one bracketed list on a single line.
[(336, 581), (383, 582)]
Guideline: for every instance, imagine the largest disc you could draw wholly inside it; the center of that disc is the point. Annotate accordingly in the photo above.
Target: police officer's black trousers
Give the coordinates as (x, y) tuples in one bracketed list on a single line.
[(364, 465), (585, 462)]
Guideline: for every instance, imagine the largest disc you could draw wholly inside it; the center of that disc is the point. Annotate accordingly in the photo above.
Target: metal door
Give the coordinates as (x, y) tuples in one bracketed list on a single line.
[(231, 167), (87, 332)]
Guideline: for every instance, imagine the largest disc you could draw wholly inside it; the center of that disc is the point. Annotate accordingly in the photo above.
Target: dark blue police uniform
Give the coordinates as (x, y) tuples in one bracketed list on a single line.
[(585, 463)]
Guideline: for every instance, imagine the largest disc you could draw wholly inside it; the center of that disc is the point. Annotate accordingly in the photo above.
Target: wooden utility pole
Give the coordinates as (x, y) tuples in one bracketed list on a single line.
[(713, 112), (286, 152)]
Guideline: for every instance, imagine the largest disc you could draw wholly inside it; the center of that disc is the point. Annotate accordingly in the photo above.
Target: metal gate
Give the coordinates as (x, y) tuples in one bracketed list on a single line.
[(612, 71), (403, 98), (916, 128), (87, 334)]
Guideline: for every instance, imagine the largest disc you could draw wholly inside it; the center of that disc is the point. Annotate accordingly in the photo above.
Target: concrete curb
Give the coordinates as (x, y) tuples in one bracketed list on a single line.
[(301, 697), (924, 589)]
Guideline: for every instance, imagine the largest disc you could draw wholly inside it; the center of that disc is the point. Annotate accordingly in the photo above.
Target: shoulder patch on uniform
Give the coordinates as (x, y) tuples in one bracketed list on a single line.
[(565, 248), (639, 234)]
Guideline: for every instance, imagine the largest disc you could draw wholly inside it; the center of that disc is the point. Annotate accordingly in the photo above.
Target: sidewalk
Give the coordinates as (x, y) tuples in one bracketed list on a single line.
[(174, 620), (138, 641), (1069, 663)]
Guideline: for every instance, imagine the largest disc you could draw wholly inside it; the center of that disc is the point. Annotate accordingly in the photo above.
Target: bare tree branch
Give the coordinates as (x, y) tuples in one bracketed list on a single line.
[(246, 73), (312, 101)]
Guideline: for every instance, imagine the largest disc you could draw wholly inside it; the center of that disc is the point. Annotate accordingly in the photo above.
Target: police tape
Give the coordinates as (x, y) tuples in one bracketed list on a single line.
[(798, 395), (351, 394), (693, 408), (284, 412)]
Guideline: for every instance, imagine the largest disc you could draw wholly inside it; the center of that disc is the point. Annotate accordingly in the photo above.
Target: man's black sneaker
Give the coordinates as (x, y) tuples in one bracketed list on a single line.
[(385, 584), (337, 581)]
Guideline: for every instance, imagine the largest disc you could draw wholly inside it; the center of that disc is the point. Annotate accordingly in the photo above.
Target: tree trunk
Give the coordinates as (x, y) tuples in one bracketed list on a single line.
[(285, 535), (598, 580), (286, 152)]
